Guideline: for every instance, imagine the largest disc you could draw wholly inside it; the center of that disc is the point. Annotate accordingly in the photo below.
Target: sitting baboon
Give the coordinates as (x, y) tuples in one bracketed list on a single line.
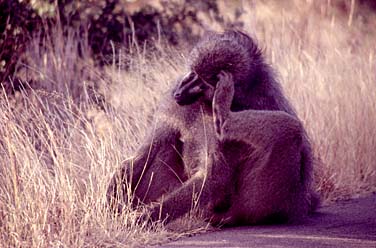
[(174, 161), (259, 164)]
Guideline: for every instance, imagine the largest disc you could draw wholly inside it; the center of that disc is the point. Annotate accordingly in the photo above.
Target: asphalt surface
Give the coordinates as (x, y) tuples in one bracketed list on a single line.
[(350, 223)]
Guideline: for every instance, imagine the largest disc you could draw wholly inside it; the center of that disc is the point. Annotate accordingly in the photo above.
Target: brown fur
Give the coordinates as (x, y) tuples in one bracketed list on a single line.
[(266, 164), (175, 161)]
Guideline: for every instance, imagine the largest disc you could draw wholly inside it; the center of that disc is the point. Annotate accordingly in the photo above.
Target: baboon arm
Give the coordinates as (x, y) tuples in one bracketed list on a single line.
[(194, 193), (222, 99), (161, 145), (164, 140)]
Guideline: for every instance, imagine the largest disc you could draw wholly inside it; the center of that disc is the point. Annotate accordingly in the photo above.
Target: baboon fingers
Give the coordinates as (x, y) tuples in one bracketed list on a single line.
[(225, 79), (222, 100), (224, 92)]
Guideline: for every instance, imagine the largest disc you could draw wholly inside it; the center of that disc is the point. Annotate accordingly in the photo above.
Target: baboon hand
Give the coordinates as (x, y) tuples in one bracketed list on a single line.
[(222, 100), (225, 82)]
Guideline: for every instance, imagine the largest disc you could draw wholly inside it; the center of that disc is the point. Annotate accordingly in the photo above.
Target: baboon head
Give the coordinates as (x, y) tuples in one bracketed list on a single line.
[(193, 87), (233, 52)]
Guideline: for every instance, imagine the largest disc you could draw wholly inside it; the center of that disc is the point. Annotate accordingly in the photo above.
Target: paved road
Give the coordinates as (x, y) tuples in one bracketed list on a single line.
[(350, 223)]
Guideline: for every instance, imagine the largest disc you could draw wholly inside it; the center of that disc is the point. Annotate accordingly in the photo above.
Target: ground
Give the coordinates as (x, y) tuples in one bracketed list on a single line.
[(346, 223)]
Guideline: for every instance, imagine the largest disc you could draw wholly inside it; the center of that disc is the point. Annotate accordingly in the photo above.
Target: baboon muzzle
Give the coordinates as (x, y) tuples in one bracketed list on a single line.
[(190, 89)]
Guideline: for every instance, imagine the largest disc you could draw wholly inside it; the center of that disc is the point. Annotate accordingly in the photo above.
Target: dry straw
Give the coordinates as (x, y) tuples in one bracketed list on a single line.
[(59, 147)]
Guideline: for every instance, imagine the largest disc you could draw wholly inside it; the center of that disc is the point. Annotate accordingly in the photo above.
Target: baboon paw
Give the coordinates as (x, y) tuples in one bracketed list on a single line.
[(225, 80)]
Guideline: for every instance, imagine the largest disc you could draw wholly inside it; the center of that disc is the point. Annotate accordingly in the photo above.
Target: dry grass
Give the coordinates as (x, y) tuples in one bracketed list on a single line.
[(58, 149), (327, 69)]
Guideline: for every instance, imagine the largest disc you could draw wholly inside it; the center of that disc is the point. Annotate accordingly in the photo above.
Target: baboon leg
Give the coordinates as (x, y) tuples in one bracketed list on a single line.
[(270, 186), (194, 193), (156, 169), (220, 183), (222, 171)]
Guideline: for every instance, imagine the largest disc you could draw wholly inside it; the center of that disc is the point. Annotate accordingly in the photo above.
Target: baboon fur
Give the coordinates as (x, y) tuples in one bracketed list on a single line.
[(175, 164), (257, 164)]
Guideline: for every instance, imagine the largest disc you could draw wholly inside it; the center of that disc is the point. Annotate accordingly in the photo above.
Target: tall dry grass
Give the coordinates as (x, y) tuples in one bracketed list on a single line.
[(59, 147), (327, 66)]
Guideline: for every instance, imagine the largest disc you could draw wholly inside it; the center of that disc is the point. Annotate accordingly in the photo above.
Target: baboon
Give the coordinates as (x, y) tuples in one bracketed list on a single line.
[(257, 164), (176, 158)]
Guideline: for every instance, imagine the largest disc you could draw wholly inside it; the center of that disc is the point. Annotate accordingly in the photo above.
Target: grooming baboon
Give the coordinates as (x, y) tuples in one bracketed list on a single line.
[(174, 161)]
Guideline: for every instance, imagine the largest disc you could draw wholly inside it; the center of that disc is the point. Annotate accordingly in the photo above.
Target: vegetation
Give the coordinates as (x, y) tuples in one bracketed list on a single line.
[(72, 120), (106, 23)]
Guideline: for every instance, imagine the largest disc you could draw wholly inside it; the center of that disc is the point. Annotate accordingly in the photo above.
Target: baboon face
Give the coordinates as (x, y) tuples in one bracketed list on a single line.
[(194, 87)]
